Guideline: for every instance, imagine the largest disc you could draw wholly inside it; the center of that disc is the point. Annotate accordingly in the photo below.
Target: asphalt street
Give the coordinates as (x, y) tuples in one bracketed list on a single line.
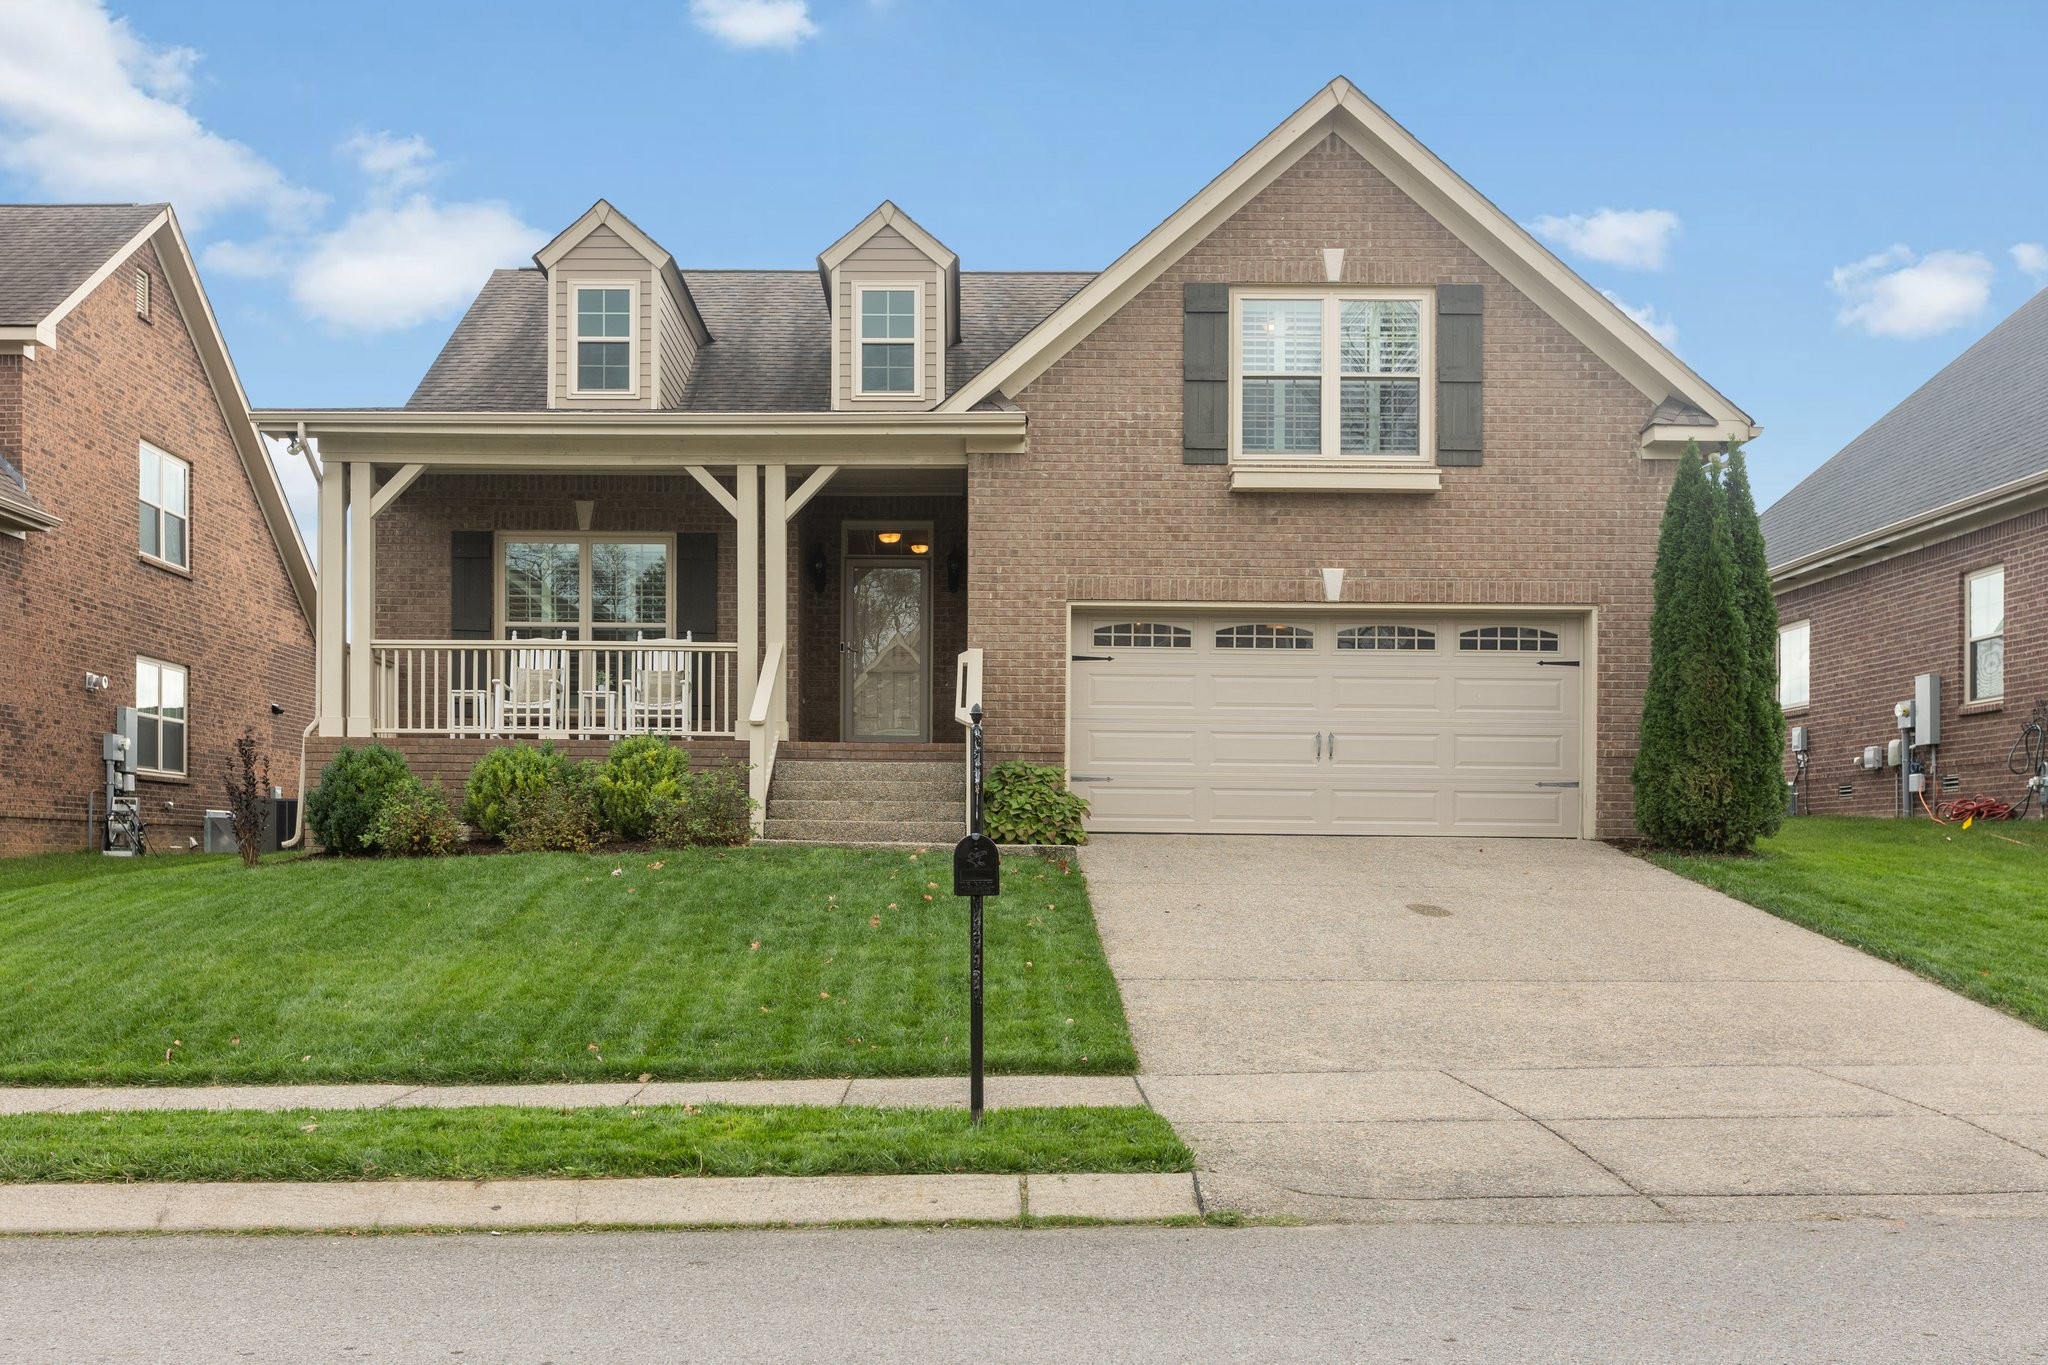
[(1974, 1290)]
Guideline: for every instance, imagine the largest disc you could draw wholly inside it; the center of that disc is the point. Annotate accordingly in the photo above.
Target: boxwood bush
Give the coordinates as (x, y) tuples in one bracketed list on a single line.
[(509, 771), (713, 808), (353, 788), (414, 821), (1022, 803), (641, 775)]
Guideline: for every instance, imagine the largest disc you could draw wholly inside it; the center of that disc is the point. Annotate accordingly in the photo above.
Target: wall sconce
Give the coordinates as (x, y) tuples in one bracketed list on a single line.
[(95, 682), (956, 569), (817, 566)]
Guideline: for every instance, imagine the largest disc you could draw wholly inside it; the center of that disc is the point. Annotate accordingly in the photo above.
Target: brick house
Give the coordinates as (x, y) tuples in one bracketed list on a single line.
[(1330, 506), (1922, 547), (144, 541)]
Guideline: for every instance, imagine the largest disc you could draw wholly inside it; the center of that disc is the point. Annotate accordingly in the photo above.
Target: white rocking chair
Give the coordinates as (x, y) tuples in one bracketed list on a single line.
[(529, 696), (658, 696)]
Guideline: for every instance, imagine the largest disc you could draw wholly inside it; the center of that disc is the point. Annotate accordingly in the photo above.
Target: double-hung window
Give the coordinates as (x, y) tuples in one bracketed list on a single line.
[(159, 718), (888, 342), (604, 339), (1984, 615), (1795, 670), (1331, 375), (166, 495)]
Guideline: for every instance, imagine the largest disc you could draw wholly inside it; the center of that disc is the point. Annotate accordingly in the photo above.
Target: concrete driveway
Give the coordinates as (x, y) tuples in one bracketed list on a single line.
[(1496, 1029)]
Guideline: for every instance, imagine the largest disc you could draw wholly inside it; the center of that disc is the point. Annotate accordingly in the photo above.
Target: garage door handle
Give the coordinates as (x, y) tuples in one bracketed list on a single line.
[(1333, 744), (1557, 663), (1557, 784), (1319, 746), (1091, 658)]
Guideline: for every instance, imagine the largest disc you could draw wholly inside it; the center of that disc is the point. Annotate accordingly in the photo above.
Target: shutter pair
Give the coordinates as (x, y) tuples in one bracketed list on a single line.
[(471, 575), (1205, 374)]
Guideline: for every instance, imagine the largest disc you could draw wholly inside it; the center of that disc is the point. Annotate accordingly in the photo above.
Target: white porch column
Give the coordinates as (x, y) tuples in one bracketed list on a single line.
[(362, 593), (747, 491), (775, 556), (331, 632)]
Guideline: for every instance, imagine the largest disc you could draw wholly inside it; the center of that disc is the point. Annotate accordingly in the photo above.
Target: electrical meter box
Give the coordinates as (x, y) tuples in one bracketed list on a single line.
[(1894, 753), (1873, 757), (1799, 739), (1927, 709)]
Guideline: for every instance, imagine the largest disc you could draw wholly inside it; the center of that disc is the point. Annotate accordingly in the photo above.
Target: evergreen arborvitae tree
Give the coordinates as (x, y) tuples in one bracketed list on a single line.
[(1759, 610), (1693, 761)]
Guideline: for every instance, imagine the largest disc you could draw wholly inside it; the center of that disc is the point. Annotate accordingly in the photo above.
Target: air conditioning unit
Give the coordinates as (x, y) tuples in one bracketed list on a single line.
[(219, 836)]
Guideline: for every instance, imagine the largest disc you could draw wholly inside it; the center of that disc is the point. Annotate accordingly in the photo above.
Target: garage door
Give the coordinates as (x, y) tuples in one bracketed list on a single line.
[(1266, 721)]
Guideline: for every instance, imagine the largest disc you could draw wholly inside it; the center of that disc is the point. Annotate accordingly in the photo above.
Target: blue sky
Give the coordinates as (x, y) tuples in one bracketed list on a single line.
[(1824, 201)]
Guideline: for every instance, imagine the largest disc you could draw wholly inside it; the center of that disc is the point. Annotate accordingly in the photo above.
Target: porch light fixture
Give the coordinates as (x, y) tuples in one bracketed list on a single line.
[(918, 547), (888, 537), (817, 566), (956, 569)]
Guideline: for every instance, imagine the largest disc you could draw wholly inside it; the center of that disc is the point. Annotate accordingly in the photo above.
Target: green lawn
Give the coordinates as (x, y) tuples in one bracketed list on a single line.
[(703, 963), (475, 1144), (1966, 908)]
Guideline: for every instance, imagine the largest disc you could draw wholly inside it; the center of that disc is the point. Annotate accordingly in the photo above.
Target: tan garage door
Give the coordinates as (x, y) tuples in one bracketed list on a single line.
[(1279, 722)]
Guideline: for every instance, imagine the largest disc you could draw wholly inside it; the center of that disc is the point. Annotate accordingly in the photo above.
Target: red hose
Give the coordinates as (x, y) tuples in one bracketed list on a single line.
[(1971, 808)]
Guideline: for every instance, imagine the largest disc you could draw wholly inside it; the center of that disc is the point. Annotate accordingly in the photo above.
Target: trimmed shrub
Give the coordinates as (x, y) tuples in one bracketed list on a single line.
[(714, 809), (1025, 804), (558, 819), (1691, 764), (1764, 772), (641, 774), (353, 787), (414, 821), (508, 771)]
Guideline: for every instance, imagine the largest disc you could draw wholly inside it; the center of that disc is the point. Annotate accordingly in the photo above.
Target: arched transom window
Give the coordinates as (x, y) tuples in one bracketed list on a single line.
[(1386, 637), (1266, 637), (1144, 635), (1508, 640)]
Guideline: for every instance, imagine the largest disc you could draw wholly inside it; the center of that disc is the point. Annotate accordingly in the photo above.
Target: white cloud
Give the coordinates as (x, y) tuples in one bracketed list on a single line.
[(1898, 294), (1635, 239), (396, 265), (248, 260), (755, 23), (89, 110), (392, 162), (2032, 259), (1664, 329)]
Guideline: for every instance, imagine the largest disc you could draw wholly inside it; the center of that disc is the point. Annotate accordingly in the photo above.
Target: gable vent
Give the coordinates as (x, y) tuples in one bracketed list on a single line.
[(142, 294)]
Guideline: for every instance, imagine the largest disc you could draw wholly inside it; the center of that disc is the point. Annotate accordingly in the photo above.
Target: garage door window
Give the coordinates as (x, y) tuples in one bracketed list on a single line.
[(1265, 637), (1144, 635), (1508, 640), (1386, 637)]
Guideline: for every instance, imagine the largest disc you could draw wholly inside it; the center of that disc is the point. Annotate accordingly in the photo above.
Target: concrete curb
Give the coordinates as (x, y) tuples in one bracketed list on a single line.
[(758, 1201), (936, 1092)]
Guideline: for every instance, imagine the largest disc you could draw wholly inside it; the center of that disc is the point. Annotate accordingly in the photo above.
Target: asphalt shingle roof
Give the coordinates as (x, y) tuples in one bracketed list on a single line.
[(1979, 424), (770, 348), (48, 250), (16, 499)]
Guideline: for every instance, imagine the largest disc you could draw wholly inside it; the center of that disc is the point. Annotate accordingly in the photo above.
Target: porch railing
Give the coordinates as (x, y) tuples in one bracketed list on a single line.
[(512, 688)]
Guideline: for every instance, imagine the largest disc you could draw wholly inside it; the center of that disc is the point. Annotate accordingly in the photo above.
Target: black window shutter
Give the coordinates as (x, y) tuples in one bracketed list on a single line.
[(469, 584), (1205, 374), (1460, 374), (697, 584)]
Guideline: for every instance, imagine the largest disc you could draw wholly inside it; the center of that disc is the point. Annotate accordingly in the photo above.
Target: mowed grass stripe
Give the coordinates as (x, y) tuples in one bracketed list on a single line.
[(481, 1143), (697, 964)]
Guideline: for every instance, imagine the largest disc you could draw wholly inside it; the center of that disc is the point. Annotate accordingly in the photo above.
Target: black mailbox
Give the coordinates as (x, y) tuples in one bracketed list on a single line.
[(977, 867)]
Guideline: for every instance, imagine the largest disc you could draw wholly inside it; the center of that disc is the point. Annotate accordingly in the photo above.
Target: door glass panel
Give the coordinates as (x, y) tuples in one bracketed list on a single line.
[(887, 663)]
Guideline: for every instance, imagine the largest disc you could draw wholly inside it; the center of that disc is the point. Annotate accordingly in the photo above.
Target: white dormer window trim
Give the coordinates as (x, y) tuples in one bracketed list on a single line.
[(576, 287), (857, 360)]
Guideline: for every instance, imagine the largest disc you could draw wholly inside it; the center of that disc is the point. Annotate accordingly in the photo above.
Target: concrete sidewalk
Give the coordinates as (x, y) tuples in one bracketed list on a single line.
[(932, 1092), (681, 1201), (1503, 1030)]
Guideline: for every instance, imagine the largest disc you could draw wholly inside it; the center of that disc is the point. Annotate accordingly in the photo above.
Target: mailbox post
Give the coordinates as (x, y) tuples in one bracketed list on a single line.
[(977, 872)]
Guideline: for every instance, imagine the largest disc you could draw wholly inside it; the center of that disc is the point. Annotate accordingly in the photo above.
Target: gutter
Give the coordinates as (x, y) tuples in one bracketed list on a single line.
[(292, 421), (1908, 533)]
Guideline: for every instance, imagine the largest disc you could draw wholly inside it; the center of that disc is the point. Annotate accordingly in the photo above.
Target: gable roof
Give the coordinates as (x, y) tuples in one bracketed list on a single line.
[(50, 253), (1391, 149), (1977, 429), (53, 255), (770, 349), (603, 215)]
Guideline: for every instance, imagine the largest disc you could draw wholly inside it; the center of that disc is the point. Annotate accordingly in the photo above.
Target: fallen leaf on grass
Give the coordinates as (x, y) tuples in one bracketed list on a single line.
[(927, 895), (618, 872), (755, 946), (824, 995), (875, 921), (308, 1127), (656, 865)]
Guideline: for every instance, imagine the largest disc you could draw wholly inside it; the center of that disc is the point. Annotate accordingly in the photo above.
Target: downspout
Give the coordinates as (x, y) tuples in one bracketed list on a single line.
[(298, 446)]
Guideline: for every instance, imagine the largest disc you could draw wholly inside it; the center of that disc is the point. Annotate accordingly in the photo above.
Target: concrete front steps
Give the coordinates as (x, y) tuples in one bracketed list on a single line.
[(915, 794)]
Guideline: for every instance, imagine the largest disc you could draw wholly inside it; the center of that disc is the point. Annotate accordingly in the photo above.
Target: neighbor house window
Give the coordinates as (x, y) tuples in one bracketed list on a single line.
[(1794, 663), (159, 718), (1334, 374), (166, 492), (586, 587), (1984, 611), (604, 339), (888, 341)]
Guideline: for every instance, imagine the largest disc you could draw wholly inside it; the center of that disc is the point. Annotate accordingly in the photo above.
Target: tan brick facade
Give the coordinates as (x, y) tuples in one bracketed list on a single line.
[(79, 598), (1875, 629), (1563, 513)]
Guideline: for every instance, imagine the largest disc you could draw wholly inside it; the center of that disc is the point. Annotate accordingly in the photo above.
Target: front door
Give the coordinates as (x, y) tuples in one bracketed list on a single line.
[(885, 655)]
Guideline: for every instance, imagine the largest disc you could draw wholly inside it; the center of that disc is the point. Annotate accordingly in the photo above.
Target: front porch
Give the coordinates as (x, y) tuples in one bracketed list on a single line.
[(491, 599)]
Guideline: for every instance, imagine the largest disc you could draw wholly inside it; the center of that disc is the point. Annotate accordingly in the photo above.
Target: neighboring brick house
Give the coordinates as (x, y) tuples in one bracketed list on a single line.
[(1328, 507), (144, 539), (1922, 547)]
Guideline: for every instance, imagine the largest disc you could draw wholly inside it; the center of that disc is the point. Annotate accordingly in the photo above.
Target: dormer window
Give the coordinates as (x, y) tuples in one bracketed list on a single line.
[(605, 339), (888, 342)]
